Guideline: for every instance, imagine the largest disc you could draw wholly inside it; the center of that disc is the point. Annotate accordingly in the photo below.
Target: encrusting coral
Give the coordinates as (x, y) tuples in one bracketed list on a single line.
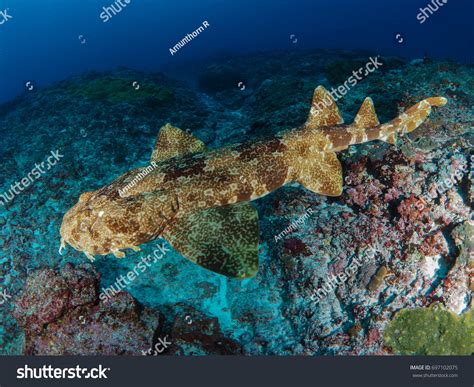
[(430, 331)]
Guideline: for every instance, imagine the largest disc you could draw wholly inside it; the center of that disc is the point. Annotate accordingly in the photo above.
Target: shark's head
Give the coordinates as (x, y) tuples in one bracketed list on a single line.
[(101, 224)]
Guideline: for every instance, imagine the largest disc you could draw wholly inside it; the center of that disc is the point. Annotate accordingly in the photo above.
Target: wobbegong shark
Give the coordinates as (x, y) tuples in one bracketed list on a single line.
[(199, 200)]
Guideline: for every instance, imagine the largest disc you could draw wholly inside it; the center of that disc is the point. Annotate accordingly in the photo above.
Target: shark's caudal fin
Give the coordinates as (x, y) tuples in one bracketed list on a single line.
[(406, 122)]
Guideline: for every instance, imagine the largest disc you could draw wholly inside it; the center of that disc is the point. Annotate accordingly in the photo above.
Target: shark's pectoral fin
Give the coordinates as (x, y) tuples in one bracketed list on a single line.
[(322, 173), (221, 239), (173, 142), (324, 111)]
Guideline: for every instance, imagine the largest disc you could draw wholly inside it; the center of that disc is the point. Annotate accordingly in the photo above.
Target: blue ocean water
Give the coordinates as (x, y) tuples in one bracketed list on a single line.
[(41, 41)]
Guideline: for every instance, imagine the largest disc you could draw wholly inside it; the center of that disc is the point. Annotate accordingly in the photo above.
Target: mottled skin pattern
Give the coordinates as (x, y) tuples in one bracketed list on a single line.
[(192, 197)]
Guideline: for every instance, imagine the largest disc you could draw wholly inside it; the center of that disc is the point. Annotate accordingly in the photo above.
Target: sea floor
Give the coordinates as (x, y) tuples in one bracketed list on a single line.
[(409, 204)]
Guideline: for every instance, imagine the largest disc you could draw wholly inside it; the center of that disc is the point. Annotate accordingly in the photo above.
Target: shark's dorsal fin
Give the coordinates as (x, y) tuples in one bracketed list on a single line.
[(366, 117), (173, 142), (324, 111), (221, 239)]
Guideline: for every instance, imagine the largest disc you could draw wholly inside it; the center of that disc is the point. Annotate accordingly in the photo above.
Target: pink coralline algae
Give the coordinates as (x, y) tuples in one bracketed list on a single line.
[(413, 214), (434, 244)]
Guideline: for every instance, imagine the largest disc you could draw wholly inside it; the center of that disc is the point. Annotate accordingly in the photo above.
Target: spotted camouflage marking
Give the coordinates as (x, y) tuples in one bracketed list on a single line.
[(199, 199)]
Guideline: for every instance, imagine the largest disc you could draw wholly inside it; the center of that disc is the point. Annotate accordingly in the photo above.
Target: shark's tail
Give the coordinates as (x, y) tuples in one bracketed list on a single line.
[(406, 122), (312, 158)]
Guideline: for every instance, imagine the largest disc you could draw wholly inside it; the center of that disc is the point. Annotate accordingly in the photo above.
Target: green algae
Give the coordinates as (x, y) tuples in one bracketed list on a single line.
[(117, 90), (430, 331)]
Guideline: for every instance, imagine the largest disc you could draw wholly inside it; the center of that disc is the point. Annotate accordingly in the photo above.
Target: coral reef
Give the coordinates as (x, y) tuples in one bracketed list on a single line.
[(411, 204)]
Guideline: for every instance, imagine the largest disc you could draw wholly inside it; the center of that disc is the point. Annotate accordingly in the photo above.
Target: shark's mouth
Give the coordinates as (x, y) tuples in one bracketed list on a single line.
[(63, 246)]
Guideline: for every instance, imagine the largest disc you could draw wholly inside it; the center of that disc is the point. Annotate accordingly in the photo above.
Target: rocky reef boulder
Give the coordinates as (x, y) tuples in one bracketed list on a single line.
[(61, 314)]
